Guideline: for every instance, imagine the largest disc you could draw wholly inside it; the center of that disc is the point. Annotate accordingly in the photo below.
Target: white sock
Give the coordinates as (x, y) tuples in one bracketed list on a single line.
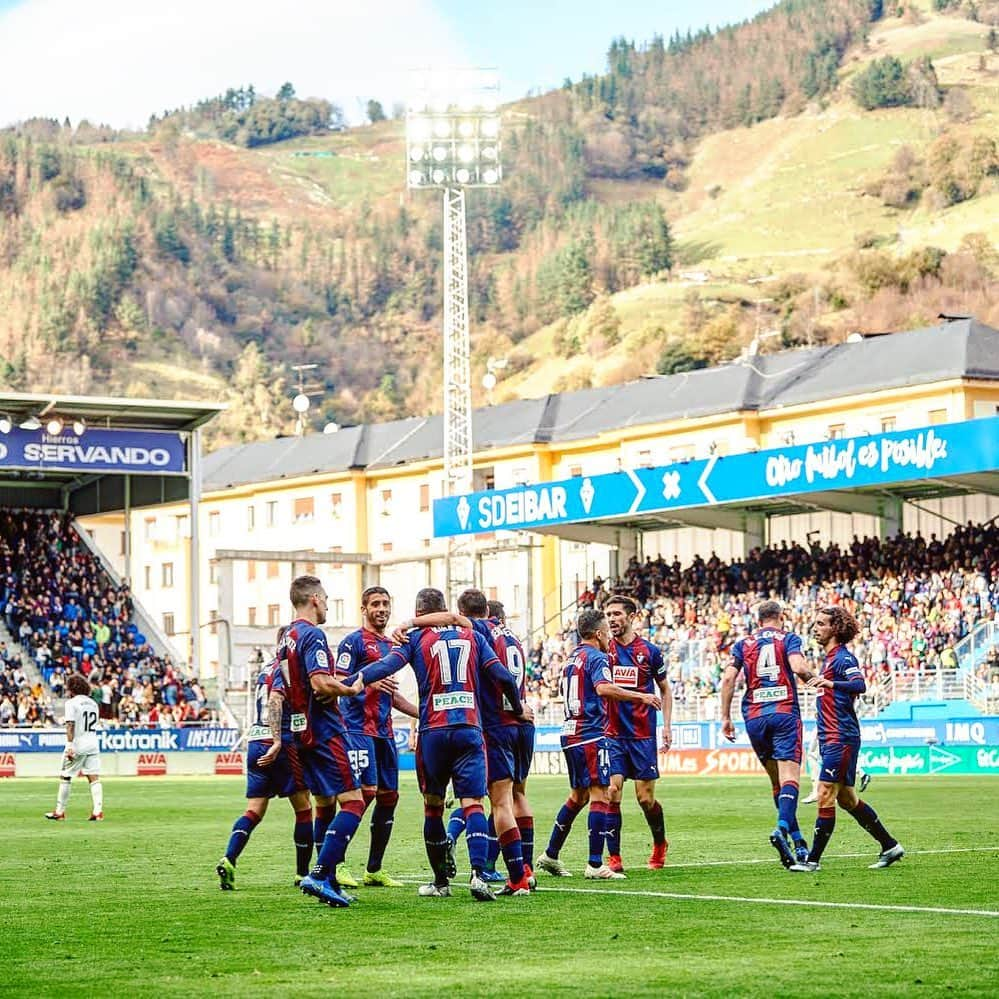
[(97, 794), (65, 786)]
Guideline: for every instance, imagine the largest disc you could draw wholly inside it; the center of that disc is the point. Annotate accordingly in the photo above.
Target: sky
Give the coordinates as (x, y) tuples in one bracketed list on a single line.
[(118, 61)]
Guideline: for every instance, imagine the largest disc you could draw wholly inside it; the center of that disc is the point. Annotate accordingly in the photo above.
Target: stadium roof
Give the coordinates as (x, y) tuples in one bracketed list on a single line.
[(959, 349), (111, 412)]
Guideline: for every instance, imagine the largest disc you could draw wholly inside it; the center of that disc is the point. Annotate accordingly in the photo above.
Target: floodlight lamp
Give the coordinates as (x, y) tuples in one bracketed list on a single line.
[(489, 153), (79, 426), (6, 424), (331, 428), (416, 153), (466, 129), (490, 176), (440, 153), (442, 128), (31, 423), (438, 176), (466, 154), (300, 403), (489, 381), (53, 426), (462, 176), (416, 177)]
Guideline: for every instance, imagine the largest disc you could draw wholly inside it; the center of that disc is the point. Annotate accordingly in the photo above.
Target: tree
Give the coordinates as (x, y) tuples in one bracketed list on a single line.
[(992, 40), (883, 84), (286, 92), (375, 111), (678, 357)]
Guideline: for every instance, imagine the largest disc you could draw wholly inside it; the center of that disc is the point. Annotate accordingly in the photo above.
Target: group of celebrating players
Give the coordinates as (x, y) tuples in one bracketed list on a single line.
[(324, 727)]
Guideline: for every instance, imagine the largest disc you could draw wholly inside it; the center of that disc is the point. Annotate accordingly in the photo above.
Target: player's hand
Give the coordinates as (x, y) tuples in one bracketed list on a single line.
[(70, 753), (667, 737), (357, 686), (398, 636), (387, 685), (526, 714), (653, 701), (818, 682), (270, 756), (728, 730)]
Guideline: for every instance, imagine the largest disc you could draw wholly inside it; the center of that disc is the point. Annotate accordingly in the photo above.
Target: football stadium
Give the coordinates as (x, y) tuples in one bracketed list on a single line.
[(567, 680)]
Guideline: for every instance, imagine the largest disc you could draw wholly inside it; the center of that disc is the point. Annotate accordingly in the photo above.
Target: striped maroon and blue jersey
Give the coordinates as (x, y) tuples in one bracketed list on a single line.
[(493, 702), (449, 664), (771, 687), (585, 710), (637, 667), (269, 678), (303, 653), (370, 713), (835, 714)]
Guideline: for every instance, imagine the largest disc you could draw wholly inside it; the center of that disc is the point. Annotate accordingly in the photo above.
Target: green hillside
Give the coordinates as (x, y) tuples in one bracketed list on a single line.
[(199, 258)]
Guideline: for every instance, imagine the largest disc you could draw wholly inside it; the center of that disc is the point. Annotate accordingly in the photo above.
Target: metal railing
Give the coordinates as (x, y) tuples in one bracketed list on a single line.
[(973, 648)]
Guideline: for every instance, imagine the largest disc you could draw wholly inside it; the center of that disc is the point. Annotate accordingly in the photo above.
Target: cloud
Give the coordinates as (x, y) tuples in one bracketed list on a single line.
[(118, 61)]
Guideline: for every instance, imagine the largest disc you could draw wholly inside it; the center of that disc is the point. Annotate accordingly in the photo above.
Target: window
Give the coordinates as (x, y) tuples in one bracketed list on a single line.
[(213, 628), (336, 611), (836, 432), (168, 625), (491, 593), (273, 570), (685, 452), (251, 617), (273, 615), (148, 528), (386, 502), (251, 517), (251, 571), (575, 471), (336, 505), (167, 575), (271, 513), (310, 568), (887, 424), (182, 529), (483, 478), (147, 571), (520, 476), (305, 509), (337, 548), (938, 416), (121, 550), (645, 459), (213, 570), (424, 497), (386, 546), (214, 524)]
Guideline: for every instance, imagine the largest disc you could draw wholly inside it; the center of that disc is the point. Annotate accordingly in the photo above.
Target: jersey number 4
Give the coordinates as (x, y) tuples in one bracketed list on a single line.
[(766, 664), (441, 651)]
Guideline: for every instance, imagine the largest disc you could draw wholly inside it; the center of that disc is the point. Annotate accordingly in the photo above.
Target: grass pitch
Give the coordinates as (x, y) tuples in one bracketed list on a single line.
[(132, 906)]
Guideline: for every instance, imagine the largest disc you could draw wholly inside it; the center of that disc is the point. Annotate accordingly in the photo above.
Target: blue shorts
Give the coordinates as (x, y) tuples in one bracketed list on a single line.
[(589, 764), (328, 768), (281, 779), (775, 737), (839, 763), (454, 754), (634, 759), (499, 753), (523, 752), (376, 761)]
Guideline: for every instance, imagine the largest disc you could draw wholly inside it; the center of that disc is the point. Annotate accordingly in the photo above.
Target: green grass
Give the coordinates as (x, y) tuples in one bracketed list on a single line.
[(132, 906)]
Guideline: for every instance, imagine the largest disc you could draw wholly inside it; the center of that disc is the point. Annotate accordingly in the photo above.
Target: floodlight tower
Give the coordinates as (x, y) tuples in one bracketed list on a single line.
[(453, 143)]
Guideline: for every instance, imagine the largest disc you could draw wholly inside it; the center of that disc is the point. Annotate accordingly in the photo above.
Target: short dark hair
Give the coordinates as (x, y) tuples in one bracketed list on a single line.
[(369, 591), (844, 624), (590, 622), (303, 589), (78, 684), (473, 603), (630, 605), (429, 600), (769, 610), (281, 632), (497, 610)]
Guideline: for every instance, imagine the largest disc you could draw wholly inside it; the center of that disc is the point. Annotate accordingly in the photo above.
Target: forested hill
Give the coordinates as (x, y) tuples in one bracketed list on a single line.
[(780, 174)]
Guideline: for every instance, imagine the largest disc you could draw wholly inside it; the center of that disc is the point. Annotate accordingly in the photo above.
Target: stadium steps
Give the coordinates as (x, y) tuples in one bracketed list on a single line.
[(29, 665)]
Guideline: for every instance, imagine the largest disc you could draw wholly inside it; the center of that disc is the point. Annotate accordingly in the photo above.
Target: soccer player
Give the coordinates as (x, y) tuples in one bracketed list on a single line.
[(451, 664), (814, 759), (631, 729), (273, 769), (838, 687), (312, 691), (586, 686), (770, 659), (82, 754), (368, 719)]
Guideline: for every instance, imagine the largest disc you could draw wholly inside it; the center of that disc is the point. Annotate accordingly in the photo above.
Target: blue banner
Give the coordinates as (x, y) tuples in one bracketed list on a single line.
[(879, 459), (134, 451), (124, 740)]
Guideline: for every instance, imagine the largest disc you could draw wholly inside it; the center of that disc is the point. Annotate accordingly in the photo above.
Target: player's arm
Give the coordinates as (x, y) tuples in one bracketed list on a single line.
[(615, 693), (727, 693), (847, 676), (404, 705), (436, 619), (661, 674), (796, 660), (391, 663), (70, 736), (324, 683), (275, 708), (490, 665)]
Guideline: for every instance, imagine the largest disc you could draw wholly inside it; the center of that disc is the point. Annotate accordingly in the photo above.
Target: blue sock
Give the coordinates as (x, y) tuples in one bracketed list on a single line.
[(241, 830), (513, 855), (456, 824), (435, 840), (614, 828), (382, 820), (303, 841), (563, 824), (337, 839), (598, 828), (787, 806), (492, 854), (324, 816), (824, 825), (526, 827), (477, 836)]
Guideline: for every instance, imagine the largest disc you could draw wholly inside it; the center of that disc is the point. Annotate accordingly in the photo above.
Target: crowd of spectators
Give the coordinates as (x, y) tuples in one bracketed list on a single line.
[(914, 598), (67, 615)]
